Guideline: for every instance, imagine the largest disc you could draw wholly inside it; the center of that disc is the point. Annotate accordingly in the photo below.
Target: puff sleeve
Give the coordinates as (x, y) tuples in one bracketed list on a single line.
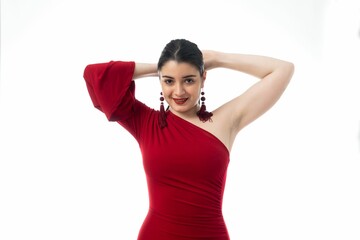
[(111, 88)]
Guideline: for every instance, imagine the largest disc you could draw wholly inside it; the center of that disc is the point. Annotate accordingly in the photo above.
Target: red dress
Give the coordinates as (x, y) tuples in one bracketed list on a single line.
[(185, 166)]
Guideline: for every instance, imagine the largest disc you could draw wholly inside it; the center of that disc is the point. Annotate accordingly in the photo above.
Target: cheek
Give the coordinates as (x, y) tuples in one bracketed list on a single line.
[(196, 92), (166, 93)]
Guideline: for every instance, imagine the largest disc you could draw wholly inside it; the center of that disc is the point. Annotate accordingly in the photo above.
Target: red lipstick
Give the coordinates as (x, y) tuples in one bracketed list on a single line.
[(180, 101)]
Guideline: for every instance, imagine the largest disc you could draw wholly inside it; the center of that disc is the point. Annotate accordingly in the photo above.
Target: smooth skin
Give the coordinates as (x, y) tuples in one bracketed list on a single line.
[(181, 84)]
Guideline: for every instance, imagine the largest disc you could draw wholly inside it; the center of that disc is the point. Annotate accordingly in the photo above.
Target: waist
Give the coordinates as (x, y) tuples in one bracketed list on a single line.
[(185, 217), (169, 226)]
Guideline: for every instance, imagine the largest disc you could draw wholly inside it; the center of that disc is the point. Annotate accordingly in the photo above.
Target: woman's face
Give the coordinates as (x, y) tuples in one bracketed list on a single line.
[(181, 84)]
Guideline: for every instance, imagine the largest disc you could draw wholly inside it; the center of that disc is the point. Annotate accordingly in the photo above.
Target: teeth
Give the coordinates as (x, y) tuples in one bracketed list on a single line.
[(180, 100)]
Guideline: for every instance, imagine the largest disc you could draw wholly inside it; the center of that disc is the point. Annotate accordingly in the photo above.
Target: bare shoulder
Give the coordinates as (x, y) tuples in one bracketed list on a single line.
[(220, 126)]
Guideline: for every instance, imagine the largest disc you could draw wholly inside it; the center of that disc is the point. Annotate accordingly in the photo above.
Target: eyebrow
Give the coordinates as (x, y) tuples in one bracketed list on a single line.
[(187, 76)]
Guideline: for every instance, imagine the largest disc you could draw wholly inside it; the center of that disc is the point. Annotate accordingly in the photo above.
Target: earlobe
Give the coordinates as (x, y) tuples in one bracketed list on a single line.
[(203, 77)]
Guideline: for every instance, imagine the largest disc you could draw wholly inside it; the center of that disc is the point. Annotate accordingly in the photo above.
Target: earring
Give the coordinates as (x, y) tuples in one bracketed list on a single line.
[(202, 113), (162, 114)]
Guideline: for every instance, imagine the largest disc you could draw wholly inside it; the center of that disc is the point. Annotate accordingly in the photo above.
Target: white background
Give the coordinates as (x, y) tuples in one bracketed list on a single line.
[(67, 173)]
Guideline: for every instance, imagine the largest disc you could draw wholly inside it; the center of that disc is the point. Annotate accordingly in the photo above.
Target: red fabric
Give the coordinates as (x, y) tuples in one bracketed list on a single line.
[(185, 166), (107, 88)]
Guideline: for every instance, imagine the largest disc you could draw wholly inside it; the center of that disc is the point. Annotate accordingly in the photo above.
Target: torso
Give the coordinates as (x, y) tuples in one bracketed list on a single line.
[(185, 165), (217, 126)]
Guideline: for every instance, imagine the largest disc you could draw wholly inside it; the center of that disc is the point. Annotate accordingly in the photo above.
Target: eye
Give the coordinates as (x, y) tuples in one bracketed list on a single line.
[(168, 81), (189, 80)]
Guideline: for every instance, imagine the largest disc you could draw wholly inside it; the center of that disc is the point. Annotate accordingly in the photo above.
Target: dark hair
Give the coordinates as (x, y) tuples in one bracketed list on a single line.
[(182, 50)]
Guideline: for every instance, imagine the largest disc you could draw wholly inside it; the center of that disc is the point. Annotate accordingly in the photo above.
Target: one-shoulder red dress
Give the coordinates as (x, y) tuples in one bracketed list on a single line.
[(185, 165)]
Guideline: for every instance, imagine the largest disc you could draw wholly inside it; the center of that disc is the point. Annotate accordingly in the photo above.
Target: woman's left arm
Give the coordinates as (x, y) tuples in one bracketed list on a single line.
[(274, 74)]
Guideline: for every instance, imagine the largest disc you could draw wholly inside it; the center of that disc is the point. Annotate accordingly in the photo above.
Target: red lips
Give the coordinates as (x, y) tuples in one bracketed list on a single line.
[(180, 101)]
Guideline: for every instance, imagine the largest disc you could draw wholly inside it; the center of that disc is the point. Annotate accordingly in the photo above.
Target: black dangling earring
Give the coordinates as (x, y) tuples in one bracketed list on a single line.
[(162, 114), (202, 113)]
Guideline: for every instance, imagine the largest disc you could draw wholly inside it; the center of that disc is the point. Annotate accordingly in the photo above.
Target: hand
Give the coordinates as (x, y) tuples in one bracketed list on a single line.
[(209, 57)]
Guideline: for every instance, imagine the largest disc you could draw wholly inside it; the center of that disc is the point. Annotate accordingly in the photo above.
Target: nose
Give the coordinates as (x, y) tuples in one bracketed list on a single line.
[(179, 90)]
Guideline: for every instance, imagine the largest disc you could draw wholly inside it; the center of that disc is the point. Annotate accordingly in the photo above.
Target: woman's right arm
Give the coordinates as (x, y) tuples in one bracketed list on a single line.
[(111, 87), (145, 70)]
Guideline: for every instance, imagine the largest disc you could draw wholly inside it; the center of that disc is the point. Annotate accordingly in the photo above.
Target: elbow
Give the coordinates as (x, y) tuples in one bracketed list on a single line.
[(289, 69), (292, 69)]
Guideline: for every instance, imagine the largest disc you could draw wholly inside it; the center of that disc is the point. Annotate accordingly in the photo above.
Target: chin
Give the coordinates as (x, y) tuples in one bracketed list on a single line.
[(182, 109), (179, 109)]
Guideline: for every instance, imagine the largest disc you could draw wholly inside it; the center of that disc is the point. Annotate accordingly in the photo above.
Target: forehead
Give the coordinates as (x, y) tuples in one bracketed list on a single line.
[(173, 67)]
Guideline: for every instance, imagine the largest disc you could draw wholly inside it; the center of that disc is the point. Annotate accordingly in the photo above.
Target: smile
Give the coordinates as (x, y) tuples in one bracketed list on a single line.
[(180, 101)]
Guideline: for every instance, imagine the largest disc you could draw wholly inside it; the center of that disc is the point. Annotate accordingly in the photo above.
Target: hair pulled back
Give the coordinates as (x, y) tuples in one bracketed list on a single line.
[(182, 51)]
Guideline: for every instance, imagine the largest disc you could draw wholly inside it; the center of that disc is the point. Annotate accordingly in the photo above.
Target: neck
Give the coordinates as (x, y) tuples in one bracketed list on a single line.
[(191, 114)]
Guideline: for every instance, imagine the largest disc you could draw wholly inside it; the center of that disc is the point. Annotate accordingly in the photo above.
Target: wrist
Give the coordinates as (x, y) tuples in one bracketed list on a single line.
[(212, 59)]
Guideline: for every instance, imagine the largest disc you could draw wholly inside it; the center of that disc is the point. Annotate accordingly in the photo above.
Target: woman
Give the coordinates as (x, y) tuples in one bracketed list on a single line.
[(185, 149)]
